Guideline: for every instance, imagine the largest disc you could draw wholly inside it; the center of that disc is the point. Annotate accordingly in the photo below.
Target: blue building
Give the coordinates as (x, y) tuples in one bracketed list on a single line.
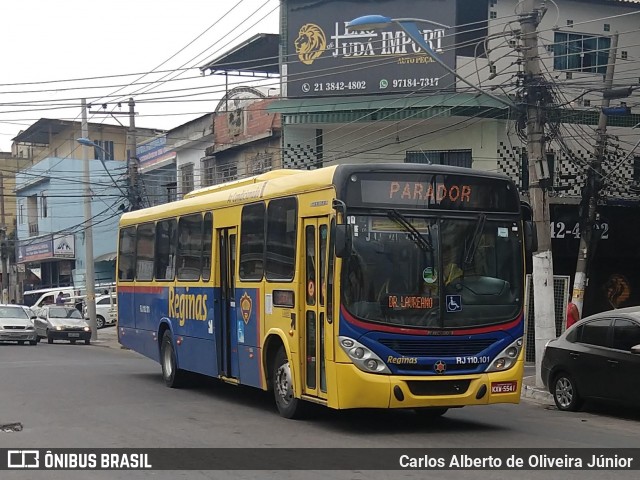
[(50, 197)]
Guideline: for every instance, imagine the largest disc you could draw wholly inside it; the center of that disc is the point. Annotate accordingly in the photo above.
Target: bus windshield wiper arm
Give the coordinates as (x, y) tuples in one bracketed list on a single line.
[(470, 251), (415, 235)]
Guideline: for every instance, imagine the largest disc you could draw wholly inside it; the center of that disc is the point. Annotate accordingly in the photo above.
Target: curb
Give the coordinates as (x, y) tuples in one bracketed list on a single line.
[(537, 394)]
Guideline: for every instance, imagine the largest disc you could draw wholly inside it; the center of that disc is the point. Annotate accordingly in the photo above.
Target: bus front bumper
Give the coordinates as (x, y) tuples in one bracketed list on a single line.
[(358, 389)]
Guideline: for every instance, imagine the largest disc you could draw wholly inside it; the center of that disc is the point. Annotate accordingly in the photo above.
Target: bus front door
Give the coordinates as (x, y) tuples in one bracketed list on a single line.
[(315, 328), (225, 331)]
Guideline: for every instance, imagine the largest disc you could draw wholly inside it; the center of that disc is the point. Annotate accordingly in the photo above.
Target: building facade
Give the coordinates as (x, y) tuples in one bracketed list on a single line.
[(50, 197), (375, 96)]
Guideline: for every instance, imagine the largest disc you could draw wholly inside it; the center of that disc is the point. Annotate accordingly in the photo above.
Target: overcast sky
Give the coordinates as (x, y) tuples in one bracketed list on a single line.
[(44, 40)]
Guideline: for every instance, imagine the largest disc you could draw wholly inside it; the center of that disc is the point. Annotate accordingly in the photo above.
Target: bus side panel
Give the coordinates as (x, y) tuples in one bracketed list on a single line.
[(248, 315), (126, 312), (191, 311), (197, 355), (190, 315), (140, 341)]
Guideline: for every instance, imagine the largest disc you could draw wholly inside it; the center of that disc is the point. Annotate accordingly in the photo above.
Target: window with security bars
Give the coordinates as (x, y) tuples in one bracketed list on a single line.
[(226, 171), (456, 158), (186, 176), (580, 52), (208, 170), (261, 163), (560, 301)]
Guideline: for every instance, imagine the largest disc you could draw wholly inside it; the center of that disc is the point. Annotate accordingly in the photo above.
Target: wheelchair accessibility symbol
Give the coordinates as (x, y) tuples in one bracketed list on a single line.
[(454, 303)]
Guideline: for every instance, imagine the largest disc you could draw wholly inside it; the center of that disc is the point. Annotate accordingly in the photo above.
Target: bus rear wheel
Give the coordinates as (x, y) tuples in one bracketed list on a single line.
[(288, 405), (173, 377)]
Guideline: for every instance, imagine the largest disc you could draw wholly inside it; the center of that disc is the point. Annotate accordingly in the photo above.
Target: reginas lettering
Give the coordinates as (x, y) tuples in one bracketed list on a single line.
[(402, 360), (412, 191), (187, 306)]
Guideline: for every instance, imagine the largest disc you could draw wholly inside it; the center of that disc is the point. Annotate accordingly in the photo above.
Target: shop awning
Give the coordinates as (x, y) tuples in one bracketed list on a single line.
[(392, 108), (107, 257)]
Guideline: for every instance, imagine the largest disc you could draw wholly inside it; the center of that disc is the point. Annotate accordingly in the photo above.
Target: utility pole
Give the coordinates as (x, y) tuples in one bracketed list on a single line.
[(4, 251), (134, 193), (536, 98), (591, 189), (89, 276)]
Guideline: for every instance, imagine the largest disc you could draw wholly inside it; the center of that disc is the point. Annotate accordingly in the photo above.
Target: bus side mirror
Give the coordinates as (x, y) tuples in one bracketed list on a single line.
[(343, 240), (530, 237)]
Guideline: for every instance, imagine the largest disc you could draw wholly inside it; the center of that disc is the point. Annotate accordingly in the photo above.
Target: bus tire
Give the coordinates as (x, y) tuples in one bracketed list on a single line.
[(288, 405), (173, 377)]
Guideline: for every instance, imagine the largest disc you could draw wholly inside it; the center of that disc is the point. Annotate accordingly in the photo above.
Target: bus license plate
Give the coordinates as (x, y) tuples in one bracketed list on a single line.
[(504, 387), (72, 335)]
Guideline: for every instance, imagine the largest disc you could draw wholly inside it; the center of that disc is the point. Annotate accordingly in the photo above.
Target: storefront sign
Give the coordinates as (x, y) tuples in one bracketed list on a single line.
[(325, 59)]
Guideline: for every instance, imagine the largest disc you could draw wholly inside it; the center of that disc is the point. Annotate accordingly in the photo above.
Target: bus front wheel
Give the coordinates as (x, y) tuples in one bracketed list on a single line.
[(288, 405), (172, 376)]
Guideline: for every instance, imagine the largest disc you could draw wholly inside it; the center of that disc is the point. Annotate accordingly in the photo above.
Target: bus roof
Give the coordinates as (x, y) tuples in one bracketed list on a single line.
[(283, 182), (263, 177), (266, 185)]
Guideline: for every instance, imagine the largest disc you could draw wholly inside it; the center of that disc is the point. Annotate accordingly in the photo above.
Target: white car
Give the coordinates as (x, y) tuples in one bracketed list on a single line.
[(16, 325), (106, 310)]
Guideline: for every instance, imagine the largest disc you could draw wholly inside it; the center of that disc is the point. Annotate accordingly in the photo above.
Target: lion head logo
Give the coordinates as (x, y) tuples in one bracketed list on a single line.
[(310, 43)]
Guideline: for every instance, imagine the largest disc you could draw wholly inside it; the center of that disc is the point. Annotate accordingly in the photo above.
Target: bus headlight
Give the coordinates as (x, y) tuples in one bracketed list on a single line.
[(362, 357), (506, 358)]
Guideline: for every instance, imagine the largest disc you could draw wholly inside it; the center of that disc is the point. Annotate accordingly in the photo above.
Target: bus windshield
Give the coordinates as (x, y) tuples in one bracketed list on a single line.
[(433, 272)]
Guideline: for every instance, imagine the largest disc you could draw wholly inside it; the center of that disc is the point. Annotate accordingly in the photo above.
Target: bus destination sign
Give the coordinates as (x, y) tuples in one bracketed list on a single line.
[(447, 192)]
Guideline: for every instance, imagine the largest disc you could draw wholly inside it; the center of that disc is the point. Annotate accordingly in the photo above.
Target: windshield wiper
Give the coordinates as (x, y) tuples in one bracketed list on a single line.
[(471, 249), (414, 234)]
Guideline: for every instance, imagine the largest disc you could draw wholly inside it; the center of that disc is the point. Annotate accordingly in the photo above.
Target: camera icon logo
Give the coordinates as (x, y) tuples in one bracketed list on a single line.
[(23, 459)]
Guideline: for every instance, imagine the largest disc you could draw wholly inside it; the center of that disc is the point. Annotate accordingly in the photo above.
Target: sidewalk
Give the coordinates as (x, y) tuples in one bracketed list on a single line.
[(108, 337)]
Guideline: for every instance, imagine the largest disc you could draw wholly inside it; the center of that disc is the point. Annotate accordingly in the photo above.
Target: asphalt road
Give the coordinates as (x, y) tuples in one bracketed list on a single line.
[(77, 396)]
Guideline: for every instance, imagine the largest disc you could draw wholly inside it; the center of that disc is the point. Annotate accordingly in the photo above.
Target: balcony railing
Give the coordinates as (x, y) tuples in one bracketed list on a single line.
[(33, 229)]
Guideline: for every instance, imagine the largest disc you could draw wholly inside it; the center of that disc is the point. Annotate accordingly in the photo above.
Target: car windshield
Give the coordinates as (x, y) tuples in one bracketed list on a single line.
[(13, 312), (433, 272), (61, 312)]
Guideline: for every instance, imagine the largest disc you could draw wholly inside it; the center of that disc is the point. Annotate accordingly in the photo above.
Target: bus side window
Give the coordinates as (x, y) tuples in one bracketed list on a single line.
[(282, 220), (127, 254), (252, 244), (145, 251), (166, 233), (189, 263), (207, 233)]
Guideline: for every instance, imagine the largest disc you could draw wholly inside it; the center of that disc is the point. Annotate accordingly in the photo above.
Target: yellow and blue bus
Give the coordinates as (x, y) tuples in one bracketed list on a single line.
[(352, 286)]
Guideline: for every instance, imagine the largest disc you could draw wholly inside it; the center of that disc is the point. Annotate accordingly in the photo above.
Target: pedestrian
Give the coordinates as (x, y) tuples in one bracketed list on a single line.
[(60, 299), (573, 314)]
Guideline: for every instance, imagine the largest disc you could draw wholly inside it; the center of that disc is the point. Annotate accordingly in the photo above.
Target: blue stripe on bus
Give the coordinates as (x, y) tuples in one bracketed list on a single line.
[(473, 352), (190, 313)]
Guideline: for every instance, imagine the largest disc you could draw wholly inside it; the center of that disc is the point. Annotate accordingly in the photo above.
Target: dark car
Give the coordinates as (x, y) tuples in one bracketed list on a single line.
[(59, 322), (597, 358)]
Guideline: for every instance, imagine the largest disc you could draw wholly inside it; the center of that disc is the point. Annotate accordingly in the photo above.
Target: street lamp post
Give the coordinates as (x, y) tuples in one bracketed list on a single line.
[(89, 276), (90, 268)]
